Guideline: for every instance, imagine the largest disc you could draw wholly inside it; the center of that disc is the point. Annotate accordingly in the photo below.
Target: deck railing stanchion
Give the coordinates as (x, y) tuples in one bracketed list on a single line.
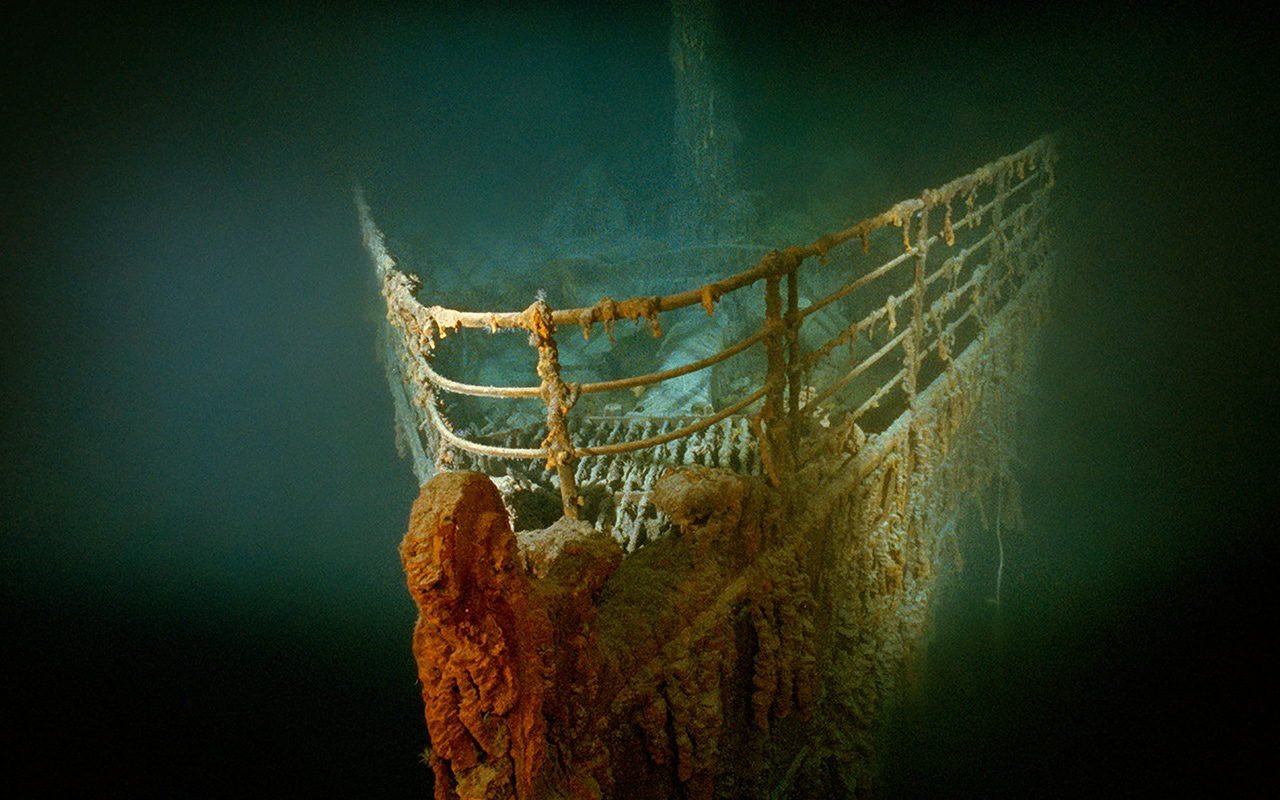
[(559, 398), (770, 420), (915, 339)]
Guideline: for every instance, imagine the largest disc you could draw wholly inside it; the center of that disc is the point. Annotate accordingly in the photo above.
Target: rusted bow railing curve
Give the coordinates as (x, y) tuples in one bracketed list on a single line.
[(992, 243)]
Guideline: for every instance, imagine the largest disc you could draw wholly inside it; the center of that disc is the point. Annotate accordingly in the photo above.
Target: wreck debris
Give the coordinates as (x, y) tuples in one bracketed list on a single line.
[(781, 551)]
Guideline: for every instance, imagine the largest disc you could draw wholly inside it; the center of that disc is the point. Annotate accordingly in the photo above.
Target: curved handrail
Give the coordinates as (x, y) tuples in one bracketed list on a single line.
[(931, 330)]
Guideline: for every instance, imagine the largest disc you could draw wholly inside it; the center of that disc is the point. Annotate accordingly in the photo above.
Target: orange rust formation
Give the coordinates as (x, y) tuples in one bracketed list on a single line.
[(477, 640), (584, 676)]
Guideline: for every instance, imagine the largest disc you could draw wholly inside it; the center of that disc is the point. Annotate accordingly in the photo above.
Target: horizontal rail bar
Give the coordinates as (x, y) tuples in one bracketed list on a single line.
[(775, 263)]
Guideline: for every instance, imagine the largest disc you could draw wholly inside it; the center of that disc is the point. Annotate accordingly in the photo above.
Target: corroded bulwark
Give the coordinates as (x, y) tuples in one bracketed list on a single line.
[(653, 678)]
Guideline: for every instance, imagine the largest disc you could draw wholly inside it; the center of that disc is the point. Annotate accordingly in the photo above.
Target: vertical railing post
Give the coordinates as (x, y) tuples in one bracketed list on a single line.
[(559, 398), (793, 322), (915, 339), (999, 262), (770, 434)]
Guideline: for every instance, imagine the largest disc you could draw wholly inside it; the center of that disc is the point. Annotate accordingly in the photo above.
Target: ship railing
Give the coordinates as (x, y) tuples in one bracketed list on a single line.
[(897, 314)]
